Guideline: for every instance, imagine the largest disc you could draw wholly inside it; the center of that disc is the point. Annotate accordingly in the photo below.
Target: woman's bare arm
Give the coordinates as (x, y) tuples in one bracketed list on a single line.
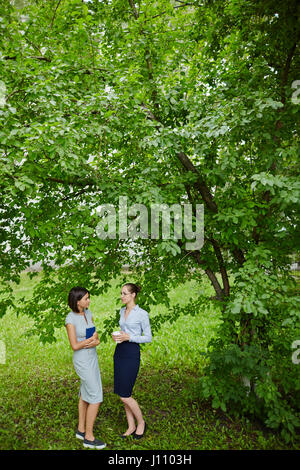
[(76, 345)]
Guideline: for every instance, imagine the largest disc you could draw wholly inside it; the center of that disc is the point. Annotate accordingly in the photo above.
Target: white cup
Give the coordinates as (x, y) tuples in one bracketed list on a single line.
[(116, 333)]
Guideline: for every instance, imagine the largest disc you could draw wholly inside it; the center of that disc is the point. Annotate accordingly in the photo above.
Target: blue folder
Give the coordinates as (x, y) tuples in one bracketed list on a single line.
[(89, 332)]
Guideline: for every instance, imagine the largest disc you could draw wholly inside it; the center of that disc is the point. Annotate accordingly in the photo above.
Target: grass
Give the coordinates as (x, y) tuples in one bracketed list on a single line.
[(39, 388)]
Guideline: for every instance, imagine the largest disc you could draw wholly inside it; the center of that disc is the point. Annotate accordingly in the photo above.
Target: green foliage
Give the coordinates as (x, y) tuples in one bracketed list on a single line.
[(256, 374), (162, 102), (251, 382), (39, 387)]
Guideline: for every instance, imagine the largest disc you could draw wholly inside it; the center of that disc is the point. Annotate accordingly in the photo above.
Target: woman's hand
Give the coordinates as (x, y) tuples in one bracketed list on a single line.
[(93, 341), (123, 337), (86, 343)]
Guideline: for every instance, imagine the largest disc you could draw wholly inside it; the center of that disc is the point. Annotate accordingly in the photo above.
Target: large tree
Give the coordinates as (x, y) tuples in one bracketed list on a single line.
[(167, 102)]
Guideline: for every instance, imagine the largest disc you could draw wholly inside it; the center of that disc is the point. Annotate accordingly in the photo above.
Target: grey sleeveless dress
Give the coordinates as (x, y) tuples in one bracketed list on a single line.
[(86, 360)]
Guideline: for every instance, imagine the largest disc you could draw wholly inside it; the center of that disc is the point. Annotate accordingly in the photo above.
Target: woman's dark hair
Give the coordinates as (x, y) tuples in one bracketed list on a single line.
[(133, 288), (76, 294)]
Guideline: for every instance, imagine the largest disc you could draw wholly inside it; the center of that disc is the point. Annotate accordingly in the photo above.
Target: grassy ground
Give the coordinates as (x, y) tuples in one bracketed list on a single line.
[(39, 388)]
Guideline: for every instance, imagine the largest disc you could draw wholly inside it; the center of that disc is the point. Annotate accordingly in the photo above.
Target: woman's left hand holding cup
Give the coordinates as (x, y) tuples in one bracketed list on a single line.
[(120, 336)]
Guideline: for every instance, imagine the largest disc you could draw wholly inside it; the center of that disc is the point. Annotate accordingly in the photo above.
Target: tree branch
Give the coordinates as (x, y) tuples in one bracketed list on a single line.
[(211, 275), (135, 12), (71, 182), (223, 271), (54, 14), (47, 59), (287, 67), (200, 183)]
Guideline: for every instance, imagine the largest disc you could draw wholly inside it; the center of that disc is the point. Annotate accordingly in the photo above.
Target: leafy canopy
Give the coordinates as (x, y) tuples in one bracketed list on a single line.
[(162, 102)]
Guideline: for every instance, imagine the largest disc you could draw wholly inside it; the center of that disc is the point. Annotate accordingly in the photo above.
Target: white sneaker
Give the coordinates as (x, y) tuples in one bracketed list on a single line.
[(80, 435), (95, 444)]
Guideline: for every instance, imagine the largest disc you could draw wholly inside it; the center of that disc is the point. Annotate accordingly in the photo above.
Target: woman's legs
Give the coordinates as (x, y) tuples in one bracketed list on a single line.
[(130, 420), (87, 415), (82, 407), (133, 410), (91, 414)]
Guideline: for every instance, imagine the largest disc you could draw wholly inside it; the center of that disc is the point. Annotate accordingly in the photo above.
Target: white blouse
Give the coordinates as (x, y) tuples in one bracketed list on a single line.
[(137, 325)]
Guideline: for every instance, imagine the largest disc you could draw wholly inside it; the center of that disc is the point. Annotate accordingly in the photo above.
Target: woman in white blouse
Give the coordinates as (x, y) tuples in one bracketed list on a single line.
[(135, 329)]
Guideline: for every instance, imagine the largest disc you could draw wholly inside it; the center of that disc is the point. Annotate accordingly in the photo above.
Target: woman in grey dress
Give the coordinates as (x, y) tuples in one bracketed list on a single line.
[(84, 339)]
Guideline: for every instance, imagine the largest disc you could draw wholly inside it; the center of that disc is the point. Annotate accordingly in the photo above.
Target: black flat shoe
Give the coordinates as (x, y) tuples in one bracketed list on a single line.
[(139, 436), (124, 436)]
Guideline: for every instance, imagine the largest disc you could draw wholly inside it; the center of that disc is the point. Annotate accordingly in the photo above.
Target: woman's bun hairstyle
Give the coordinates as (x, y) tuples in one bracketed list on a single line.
[(133, 288)]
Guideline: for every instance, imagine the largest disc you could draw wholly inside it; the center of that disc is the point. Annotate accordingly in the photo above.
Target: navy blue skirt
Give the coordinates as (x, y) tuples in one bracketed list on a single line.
[(126, 367)]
